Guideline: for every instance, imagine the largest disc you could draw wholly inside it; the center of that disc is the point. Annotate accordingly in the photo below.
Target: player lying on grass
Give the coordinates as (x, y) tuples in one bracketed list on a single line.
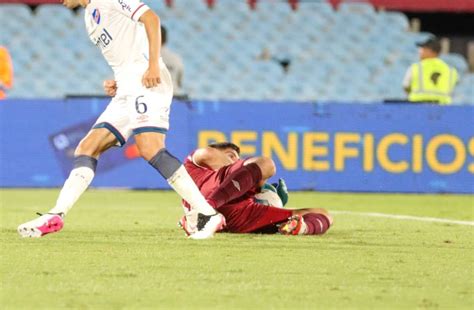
[(230, 184)]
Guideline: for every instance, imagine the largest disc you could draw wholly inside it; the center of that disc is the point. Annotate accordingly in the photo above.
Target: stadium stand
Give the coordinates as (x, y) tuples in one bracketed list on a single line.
[(53, 57)]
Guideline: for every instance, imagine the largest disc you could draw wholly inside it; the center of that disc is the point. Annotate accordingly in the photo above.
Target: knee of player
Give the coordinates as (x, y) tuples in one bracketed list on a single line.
[(267, 165), (87, 147), (149, 144), (147, 153)]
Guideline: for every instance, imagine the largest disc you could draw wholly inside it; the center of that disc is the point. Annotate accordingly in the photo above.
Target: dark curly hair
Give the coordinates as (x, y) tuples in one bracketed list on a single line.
[(225, 145)]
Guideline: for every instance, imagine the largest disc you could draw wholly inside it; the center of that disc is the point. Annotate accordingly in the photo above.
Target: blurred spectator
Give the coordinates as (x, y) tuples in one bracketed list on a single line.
[(430, 80), (6, 72), (283, 62), (175, 66)]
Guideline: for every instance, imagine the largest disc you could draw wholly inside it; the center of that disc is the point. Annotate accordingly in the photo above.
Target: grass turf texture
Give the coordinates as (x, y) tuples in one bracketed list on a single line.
[(122, 249)]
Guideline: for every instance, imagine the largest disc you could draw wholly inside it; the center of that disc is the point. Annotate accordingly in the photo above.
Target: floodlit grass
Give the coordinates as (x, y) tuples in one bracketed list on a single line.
[(122, 249)]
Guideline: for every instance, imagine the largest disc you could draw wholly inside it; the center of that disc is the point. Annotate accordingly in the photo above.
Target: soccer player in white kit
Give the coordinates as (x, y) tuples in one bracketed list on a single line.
[(128, 34)]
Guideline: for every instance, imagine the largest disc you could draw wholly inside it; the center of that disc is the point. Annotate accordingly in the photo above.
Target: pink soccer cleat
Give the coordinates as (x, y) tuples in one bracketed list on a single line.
[(294, 226), (187, 226), (45, 224)]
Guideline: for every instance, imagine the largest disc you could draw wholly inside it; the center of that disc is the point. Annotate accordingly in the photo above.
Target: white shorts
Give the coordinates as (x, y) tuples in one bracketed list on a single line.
[(147, 110)]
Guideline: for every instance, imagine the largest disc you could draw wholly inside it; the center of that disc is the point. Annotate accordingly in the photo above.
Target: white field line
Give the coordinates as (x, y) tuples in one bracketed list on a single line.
[(406, 217)]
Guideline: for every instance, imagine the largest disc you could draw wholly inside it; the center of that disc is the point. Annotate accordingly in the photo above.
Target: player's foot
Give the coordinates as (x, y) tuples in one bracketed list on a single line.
[(294, 226), (207, 225), (185, 224), (45, 224)]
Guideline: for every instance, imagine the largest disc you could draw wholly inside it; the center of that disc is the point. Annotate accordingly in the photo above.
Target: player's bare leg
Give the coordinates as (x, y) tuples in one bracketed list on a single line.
[(95, 143), (152, 148)]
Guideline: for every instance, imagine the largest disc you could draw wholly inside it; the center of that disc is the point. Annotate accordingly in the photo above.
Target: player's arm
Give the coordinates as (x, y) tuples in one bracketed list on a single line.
[(151, 78), (211, 157), (110, 87), (407, 80), (140, 12)]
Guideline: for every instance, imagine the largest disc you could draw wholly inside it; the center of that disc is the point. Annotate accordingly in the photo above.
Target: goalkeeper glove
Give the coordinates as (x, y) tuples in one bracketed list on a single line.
[(281, 190)]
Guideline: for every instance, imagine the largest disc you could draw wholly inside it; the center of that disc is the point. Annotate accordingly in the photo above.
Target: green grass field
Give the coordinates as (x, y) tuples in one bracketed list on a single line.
[(123, 250)]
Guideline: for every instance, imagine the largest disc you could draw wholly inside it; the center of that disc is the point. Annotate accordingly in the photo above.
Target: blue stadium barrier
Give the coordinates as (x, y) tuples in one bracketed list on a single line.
[(323, 146)]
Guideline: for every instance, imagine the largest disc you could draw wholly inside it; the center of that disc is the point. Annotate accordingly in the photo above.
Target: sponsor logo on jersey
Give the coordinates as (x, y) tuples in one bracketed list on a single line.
[(142, 118), (96, 16), (236, 184), (103, 40), (125, 6)]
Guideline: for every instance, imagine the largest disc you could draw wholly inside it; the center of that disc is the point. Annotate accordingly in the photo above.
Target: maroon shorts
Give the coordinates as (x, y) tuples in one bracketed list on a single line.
[(248, 216)]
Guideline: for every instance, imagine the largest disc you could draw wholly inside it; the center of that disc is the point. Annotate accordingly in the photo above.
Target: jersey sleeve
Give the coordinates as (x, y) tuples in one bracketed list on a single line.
[(130, 8)]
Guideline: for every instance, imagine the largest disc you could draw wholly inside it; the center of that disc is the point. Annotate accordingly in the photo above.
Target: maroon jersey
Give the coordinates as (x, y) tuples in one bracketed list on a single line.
[(243, 215), (207, 179)]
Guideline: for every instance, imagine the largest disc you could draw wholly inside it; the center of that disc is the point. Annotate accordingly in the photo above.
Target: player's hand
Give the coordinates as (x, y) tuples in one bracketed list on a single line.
[(282, 190), (110, 87), (151, 78)]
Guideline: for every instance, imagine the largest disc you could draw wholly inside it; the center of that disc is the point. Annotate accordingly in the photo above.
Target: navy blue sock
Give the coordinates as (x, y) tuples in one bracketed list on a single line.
[(165, 163), (85, 161)]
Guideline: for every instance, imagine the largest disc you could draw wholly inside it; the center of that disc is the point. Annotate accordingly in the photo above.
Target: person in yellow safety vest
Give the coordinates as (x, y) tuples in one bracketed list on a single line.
[(6, 72), (430, 80)]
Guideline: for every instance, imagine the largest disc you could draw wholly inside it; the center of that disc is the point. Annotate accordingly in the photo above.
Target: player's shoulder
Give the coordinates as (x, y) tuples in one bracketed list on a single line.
[(104, 4), (118, 4)]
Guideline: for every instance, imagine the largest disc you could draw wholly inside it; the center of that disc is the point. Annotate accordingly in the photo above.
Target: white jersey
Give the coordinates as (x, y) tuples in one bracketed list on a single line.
[(113, 27)]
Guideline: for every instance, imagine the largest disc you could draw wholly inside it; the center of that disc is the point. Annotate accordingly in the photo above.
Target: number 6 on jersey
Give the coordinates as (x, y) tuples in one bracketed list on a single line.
[(140, 106)]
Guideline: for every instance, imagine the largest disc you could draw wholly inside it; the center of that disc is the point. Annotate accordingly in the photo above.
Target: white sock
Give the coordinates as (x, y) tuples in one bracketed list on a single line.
[(184, 185), (78, 181)]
